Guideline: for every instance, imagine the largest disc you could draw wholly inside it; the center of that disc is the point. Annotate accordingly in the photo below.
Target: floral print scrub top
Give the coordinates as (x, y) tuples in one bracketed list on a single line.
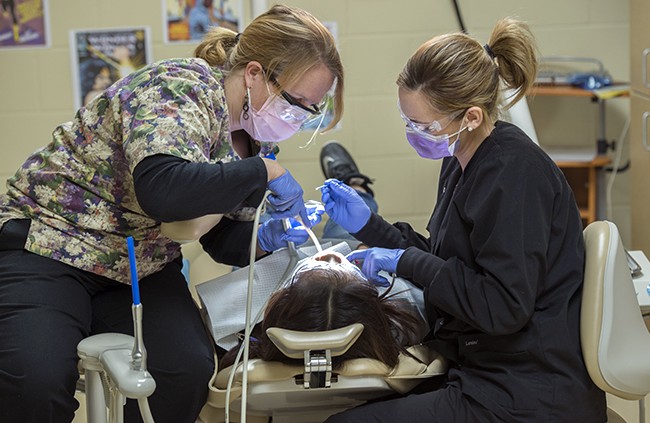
[(78, 190)]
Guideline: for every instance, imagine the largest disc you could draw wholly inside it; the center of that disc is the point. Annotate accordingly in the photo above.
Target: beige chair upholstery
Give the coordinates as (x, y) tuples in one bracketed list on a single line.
[(615, 341), (278, 389), (293, 343)]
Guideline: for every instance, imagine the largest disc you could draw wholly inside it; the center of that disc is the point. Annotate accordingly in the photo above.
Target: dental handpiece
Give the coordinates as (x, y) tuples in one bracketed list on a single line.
[(139, 353), (286, 224)]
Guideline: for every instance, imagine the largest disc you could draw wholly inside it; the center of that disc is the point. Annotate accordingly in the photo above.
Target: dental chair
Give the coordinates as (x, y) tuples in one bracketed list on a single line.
[(312, 391), (615, 341)]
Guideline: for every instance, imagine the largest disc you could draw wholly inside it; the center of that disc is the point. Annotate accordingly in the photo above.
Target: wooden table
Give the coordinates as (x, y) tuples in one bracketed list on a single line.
[(582, 176)]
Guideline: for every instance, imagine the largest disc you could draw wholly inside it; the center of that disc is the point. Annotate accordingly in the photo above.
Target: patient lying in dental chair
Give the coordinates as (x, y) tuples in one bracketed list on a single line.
[(321, 292), (327, 292), (224, 299)]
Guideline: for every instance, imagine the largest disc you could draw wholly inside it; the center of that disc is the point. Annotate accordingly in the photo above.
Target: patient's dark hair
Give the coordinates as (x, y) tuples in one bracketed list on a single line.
[(329, 298)]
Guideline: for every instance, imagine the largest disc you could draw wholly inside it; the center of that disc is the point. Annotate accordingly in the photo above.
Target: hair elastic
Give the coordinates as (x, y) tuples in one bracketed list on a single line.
[(489, 51), (237, 37)]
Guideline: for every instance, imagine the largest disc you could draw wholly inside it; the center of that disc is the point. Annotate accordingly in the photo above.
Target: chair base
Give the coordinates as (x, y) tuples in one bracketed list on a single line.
[(614, 417)]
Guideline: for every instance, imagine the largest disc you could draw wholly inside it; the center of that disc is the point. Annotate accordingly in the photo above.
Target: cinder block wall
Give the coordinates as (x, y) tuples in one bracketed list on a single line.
[(376, 37)]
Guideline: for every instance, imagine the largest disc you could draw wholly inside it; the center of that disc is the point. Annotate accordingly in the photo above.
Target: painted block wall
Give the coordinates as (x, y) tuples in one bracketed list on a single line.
[(376, 37)]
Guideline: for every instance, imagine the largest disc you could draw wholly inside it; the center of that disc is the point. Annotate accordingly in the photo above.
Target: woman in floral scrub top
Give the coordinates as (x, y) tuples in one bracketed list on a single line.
[(174, 142)]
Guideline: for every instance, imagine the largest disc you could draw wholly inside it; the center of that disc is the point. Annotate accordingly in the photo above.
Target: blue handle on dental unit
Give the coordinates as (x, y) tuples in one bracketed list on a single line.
[(135, 288)]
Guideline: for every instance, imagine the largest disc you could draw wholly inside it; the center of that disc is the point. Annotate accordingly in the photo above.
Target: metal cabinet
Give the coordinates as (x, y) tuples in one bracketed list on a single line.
[(640, 124)]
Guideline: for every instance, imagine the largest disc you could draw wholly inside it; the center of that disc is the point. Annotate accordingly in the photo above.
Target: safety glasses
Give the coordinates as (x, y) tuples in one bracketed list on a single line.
[(285, 111), (427, 129), (292, 102), (311, 263), (313, 109)]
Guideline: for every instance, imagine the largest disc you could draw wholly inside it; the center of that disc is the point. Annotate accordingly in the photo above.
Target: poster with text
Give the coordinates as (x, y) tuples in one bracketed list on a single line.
[(101, 57), (23, 23), (189, 20)]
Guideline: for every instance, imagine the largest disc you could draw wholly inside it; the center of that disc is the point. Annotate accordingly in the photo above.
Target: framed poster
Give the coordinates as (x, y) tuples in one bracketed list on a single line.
[(102, 56), (189, 20), (24, 23)]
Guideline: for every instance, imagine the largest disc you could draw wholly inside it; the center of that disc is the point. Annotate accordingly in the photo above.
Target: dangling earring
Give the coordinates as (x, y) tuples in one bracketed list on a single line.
[(245, 107)]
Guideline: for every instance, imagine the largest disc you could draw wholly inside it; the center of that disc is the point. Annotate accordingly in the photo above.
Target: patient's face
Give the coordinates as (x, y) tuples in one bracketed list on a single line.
[(328, 260)]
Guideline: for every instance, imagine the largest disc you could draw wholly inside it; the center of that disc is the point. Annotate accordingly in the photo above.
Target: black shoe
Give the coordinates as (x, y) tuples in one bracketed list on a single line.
[(336, 163)]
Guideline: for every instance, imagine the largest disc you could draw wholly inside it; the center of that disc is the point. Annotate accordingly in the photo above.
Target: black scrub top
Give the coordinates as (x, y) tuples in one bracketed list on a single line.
[(502, 273)]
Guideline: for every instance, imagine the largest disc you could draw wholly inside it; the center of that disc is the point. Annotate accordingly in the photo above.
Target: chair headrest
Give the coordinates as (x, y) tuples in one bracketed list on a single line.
[(293, 343)]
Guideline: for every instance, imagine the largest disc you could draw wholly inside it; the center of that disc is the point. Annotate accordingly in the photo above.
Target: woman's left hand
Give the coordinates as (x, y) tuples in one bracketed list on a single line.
[(374, 260), (344, 205)]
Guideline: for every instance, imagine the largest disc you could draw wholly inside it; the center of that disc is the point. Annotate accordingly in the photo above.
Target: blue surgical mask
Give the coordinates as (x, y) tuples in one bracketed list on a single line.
[(426, 147)]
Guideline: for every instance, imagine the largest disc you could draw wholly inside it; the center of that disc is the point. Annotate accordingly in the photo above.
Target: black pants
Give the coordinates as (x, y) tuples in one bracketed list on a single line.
[(444, 405), (47, 307)]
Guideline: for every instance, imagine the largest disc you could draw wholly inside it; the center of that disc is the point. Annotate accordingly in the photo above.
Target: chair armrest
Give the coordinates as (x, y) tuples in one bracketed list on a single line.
[(189, 230)]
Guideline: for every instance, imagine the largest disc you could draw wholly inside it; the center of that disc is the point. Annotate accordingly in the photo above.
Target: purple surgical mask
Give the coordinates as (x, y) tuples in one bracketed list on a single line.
[(272, 122), (429, 149), (425, 143)]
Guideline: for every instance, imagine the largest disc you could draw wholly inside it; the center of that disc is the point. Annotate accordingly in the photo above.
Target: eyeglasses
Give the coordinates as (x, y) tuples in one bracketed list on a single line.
[(312, 109), (428, 128)]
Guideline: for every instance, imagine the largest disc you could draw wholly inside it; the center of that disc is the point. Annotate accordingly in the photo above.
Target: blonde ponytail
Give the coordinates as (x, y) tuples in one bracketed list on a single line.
[(455, 71), (216, 47), (515, 51)]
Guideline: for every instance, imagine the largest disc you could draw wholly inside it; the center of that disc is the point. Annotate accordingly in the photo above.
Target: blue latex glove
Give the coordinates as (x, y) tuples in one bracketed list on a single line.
[(286, 198), (271, 235), (373, 260), (315, 212), (345, 206)]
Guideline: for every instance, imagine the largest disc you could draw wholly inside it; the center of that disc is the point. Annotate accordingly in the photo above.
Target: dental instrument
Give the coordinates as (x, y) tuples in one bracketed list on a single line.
[(139, 353), (313, 238)]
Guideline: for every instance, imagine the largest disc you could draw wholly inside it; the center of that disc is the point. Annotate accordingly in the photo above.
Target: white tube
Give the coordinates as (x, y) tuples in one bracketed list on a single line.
[(145, 411), (312, 236), (519, 115)]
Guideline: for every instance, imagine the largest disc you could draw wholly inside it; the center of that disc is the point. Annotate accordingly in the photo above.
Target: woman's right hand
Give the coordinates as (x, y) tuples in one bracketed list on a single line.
[(345, 206), (286, 198)]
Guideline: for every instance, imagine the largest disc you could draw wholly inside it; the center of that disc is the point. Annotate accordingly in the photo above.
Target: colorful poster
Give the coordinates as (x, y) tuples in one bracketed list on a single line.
[(23, 23), (189, 20), (101, 57)]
